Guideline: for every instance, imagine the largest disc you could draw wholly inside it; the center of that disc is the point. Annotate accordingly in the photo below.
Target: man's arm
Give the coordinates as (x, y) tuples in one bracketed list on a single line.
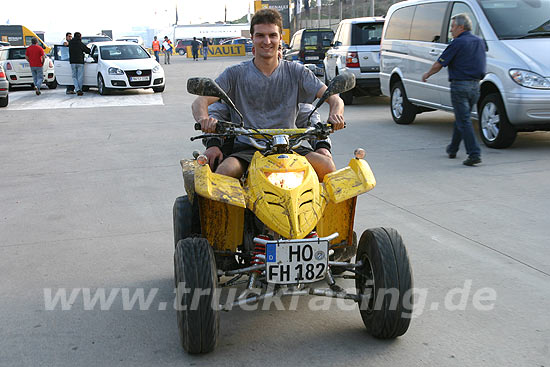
[(436, 67), (336, 109), (200, 113)]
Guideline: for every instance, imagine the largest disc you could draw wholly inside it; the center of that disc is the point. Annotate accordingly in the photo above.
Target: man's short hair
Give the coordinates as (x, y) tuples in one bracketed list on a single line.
[(68, 34), (266, 16), (77, 35), (34, 41), (463, 20)]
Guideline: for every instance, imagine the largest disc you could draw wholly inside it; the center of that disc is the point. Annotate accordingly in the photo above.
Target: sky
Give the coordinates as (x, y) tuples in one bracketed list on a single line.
[(56, 17)]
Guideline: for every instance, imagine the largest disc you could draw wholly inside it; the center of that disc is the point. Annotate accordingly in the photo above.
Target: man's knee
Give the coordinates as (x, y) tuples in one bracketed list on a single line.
[(322, 163), (230, 166)]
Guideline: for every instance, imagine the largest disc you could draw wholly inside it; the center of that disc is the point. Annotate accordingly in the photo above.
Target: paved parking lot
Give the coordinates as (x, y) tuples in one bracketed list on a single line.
[(86, 204)]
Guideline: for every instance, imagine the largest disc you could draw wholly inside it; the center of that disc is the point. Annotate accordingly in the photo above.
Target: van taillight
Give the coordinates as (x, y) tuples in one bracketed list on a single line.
[(8, 66), (352, 61), (2, 74)]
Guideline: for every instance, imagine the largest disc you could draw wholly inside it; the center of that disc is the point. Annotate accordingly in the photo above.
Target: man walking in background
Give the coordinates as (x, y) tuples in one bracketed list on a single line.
[(156, 49), (35, 56), (76, 58), (167, 47), (68, 37), (466, 59), (205, 48), (195, 48)]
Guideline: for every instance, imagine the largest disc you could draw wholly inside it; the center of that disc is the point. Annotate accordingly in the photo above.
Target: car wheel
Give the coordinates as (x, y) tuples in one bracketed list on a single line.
[(403, 112), (181, 52), (158, 89), (385, 274), (101, 86), (4, 101), (494, 127), (52, 85), (197, 316)]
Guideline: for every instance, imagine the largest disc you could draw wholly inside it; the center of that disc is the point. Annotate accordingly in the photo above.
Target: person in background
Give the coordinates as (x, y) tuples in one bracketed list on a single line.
[(35, 56), (76, 58), (195, 48), (156, 48), (65, 42), (205, 47), (466, 59), (168, 49)]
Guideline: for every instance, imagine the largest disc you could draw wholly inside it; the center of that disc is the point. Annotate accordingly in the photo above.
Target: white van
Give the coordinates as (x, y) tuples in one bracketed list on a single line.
[(515, 93)]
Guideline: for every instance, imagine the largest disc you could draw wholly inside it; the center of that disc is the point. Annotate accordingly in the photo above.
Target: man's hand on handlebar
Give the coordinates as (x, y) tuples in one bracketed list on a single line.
[(337, 121), (208, 125)]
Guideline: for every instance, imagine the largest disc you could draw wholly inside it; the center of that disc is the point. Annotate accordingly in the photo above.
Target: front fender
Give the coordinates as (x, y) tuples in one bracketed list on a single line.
[(349, 182), (218, 187)]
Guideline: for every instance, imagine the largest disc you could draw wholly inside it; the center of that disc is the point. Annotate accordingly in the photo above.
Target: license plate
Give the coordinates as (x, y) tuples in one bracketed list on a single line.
[(312, 57), (292, 262), (25, 65), (139, 78)]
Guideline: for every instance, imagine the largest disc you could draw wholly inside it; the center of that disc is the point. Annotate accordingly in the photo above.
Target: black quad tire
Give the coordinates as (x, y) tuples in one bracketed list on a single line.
[(195, 271), (387, 277), (101, 86), (186, 219), (402, 111), (4, 101), (494, 127)]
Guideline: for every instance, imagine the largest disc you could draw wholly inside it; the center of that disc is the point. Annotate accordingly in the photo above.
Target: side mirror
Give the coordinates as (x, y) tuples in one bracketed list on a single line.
[(209, 88)]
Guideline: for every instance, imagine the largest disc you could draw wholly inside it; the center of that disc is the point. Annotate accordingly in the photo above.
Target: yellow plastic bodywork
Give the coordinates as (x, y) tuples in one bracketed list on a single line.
[(218, 187), (221, 223), (292, 213), (349, 182), (338, 217)]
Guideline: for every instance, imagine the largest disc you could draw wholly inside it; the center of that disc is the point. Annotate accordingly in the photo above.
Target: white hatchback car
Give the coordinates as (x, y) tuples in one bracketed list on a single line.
[(4, 98), (18, 70), (113, 65)]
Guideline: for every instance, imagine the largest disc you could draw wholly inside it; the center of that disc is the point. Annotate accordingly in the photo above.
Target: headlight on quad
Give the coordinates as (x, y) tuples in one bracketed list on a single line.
[(156, 69), (529, 79), (285, 180), (115, 71)]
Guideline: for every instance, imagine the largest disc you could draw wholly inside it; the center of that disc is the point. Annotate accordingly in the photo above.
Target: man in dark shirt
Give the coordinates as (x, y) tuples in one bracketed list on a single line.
[(466, 59), (76, 58), (195, 48)]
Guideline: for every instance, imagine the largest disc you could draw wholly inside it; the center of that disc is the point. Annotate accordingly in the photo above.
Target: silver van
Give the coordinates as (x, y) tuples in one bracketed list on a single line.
[(515, 93)]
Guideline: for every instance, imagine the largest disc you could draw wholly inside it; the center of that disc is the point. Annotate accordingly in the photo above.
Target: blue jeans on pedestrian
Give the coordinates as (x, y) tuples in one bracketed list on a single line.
[(37, 76), (205, 52), (78, 76), (464, 96), (157, 56)]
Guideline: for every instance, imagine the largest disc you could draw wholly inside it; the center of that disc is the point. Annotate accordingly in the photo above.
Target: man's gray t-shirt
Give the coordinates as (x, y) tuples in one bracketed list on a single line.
[(269, 102)]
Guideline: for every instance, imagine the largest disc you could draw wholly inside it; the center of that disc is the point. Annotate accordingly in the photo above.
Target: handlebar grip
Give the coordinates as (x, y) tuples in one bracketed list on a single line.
[(197, 126)]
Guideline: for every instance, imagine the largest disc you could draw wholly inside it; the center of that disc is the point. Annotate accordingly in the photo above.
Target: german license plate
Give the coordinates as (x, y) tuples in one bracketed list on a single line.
[(139, 78), (296, 261), (312, 57)]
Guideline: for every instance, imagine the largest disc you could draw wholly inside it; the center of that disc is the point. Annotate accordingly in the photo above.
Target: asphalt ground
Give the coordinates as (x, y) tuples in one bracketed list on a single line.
[(86, 199)]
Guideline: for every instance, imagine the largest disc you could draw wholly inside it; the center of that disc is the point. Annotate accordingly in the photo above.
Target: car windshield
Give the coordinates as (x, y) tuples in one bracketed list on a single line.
[(366, 33), (513, 19), (314, 39), (86, 40), (17, 54), (123, 52)]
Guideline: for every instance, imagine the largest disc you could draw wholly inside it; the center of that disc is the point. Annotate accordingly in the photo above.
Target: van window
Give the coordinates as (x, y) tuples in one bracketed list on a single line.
[(461, 8), (513, 19), (399, 26), (366, 33), (427, 22), (345, 35)]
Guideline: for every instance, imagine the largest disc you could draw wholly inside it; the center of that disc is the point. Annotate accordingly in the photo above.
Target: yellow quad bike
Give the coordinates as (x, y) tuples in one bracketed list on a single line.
[(281, 232)]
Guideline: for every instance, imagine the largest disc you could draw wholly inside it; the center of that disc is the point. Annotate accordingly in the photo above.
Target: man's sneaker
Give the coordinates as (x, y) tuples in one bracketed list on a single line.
[(37, 91), (471, 161), (79, 93), (70, 92), (451, 155)]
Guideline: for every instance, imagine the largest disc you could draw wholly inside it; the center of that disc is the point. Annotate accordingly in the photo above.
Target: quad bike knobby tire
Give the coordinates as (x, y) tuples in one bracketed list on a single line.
[(186, 219), (387, 277), (194, 272)]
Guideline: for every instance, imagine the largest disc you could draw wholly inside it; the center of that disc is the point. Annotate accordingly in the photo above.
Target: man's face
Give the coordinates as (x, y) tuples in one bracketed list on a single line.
[(69, 37), (266, 40), (456, 30)]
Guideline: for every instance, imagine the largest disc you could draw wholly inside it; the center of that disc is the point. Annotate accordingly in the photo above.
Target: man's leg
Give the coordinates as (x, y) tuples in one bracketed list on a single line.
[(80, 73), (232, 167), (169, 55), (75, 79), (322, 163)]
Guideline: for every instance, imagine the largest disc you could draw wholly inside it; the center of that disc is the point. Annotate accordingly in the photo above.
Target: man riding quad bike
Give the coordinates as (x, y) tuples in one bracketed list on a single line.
[(281, 229)]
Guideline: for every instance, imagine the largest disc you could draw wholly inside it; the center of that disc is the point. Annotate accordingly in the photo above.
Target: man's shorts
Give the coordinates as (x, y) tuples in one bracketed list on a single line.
[(245, 152)]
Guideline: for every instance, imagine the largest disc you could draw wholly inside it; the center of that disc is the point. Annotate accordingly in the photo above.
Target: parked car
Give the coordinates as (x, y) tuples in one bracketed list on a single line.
[(515, 92), (4, 88), (113, 65), (18, 70), (247, 42), (96, 38), (308, 46), (181, 45), (4, 44), (356, 50), (135, 39)]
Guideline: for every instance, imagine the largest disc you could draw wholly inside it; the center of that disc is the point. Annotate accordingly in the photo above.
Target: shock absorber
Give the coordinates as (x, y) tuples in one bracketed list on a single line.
[(258, 258)]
